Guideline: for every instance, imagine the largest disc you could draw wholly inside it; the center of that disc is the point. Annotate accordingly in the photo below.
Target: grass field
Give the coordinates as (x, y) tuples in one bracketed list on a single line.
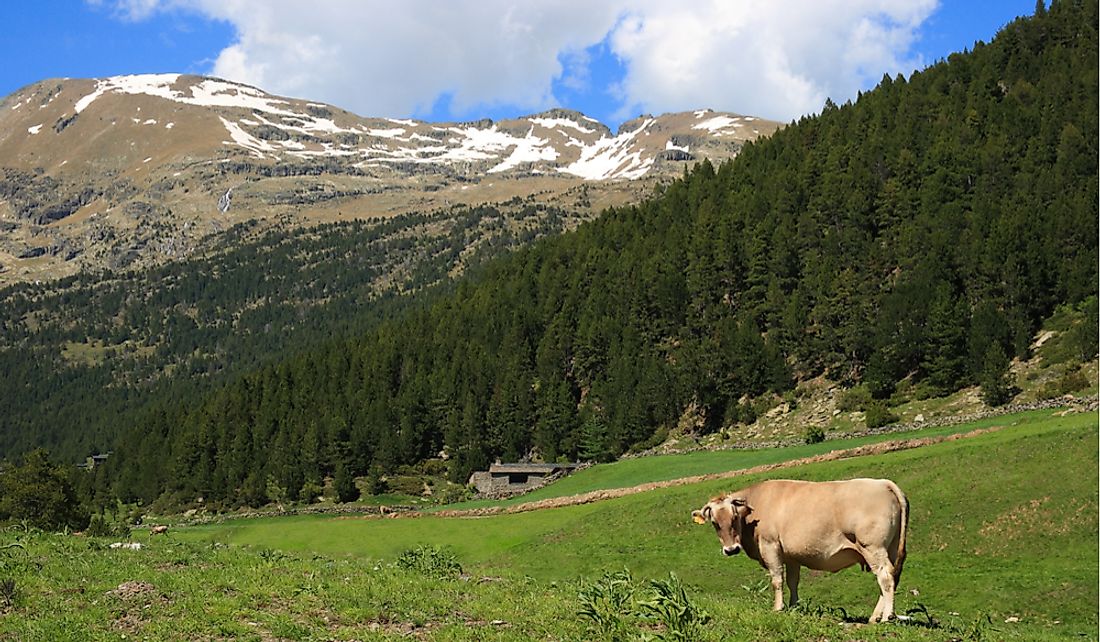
[(1003, 545), (632, 472)]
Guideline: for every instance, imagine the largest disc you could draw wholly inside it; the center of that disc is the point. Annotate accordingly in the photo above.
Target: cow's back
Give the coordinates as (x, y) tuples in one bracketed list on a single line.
[(811, 519)]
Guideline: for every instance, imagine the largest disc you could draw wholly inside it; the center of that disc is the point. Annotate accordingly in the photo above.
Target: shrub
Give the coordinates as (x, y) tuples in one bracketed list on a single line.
[(102, 526), (814, 435), (879, 414), (995, 380), (42, 494), (311, 490), (344, 484), (404, 485), (377, 482), (1064, 385), (855, 398)]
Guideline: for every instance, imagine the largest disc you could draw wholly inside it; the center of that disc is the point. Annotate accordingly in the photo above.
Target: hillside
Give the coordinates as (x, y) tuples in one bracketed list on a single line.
[(134, 171), (908, 245), (917, 237)]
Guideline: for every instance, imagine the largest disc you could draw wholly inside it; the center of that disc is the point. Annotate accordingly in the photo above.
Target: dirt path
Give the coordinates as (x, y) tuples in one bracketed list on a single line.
[(601, 495)]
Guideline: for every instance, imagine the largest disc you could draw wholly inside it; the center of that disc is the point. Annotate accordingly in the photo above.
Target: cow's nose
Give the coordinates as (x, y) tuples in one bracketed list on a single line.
[(731, 550)]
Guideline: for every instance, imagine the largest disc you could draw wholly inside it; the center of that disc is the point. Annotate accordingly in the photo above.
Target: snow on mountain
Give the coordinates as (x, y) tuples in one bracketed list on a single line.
[(89, 165)]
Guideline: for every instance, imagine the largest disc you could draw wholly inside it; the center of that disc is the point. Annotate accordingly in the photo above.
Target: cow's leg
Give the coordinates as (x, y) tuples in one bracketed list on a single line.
[(772, 560), (884, 571), (793, 572), (777, 586)]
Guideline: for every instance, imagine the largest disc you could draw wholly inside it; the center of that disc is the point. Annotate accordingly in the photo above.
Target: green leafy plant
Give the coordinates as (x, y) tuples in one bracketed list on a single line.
[(607, 603), (879, 414), (431, 561), (814, 435), (671, 607)]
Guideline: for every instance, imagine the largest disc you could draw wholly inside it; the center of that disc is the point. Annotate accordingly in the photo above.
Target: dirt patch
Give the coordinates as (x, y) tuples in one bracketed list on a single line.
[(132, 590), (136, 599), (601, 495)]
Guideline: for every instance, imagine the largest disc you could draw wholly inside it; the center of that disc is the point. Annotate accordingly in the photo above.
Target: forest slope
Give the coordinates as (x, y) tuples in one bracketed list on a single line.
[(920, 234)]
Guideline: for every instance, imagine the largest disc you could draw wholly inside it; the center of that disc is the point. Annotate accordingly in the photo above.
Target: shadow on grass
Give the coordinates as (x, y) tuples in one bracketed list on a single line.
[(918, 616)]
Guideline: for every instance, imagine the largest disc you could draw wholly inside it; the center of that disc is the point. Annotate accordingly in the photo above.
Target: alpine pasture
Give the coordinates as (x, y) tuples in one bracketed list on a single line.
[(1002, 545)]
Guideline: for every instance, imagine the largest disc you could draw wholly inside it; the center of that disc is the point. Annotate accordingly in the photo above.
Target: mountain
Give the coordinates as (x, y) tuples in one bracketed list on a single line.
[(908, 245), (136, 170)]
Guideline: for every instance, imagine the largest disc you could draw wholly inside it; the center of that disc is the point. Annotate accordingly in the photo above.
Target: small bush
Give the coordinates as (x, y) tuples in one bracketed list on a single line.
[(311, 490), (852, 399), (997, 384), (102, 526), (431, 561), (879, 414), (402, 485), (453, 493), (814, 435), (344, 484), (1064, 385), (42, 494)]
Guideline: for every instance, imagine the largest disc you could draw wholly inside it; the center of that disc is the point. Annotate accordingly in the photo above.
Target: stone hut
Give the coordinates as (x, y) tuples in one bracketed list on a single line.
[(513, 479)]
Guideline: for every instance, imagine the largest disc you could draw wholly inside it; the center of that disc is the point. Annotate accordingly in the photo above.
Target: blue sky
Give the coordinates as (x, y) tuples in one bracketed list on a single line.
[(499, 59)]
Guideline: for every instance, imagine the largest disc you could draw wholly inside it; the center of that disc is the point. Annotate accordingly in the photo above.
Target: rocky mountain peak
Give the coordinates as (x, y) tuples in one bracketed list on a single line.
[(108, 171)]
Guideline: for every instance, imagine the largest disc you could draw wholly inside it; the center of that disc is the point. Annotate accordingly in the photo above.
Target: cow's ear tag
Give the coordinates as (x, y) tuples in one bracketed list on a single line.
[(698, 518)]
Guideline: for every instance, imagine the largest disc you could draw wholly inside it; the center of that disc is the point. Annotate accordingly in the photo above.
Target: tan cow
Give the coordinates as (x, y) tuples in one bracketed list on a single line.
[(825, 526)]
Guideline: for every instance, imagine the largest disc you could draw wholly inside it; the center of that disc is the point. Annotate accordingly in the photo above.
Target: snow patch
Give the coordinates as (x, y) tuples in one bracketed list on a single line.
[(387, 133), (554, 123), (34, 130), (610, 158), (717, 124), (528, 149), (244, 139)]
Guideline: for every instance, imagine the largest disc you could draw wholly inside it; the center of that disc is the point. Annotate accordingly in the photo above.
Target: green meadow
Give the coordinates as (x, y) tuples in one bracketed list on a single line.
[(1002, 545)]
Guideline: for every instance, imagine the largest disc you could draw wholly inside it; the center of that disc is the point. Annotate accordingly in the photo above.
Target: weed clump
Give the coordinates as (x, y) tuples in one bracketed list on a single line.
[(617, 609), (430, 561)]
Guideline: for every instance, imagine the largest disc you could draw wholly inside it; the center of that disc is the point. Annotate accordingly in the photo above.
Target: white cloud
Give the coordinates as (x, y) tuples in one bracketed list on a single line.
[(399, 57), (775, 59)]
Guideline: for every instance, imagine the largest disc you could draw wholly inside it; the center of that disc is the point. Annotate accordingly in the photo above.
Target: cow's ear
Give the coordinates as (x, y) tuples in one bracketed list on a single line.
[(740, 506), (701, 516)]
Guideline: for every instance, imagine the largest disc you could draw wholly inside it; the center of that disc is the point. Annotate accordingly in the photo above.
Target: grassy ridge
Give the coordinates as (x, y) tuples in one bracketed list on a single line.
[(632, 472), (1003, 526)]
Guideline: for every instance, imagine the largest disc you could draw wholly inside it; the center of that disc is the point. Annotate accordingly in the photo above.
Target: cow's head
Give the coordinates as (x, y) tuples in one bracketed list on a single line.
[(728, 515)]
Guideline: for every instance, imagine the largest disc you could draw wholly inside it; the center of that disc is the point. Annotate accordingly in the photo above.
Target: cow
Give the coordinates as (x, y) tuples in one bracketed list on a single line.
[(158, 530), (827, 526)]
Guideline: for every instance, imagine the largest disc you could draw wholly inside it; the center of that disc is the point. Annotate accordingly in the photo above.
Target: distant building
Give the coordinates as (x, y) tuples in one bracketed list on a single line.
[(95, 460), (513, 479)]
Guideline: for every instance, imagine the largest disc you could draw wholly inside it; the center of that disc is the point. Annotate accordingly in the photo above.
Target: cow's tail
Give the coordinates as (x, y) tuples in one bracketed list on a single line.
[(903, 501)]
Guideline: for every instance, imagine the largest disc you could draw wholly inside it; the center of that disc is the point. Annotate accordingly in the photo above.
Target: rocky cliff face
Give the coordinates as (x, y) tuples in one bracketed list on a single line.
[(140, 169)]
